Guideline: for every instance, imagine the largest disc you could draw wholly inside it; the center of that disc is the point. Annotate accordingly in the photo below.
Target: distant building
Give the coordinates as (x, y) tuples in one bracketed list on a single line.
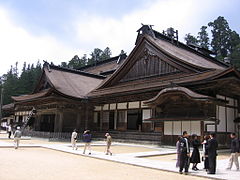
[(163, 86)]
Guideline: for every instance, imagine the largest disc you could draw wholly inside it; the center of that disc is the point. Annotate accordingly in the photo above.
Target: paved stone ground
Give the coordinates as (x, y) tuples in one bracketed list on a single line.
[(137, 157)]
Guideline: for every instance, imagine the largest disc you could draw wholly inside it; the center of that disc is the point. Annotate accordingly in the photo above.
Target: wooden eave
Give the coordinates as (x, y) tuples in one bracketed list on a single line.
[(152, 84), (54, 98)]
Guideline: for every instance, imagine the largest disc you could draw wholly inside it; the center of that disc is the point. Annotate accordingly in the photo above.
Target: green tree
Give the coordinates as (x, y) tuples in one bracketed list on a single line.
[(77, 62), (10, 85), (99, 55), (64, 64), (203, 38), (220, 37), (190, 39), (24, 84), (106, 54)]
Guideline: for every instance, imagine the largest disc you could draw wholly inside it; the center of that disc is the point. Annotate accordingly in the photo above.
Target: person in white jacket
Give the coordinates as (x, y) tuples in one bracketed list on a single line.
[(17, 136), (74, 139)]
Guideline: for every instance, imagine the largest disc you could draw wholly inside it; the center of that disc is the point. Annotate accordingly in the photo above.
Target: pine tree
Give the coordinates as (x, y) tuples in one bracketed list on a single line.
[(190, 39), (220, 37), (203, 38)]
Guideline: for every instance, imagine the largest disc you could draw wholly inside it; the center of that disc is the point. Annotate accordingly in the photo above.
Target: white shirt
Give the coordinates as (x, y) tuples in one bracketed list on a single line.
[(187, 144), (74, 135)]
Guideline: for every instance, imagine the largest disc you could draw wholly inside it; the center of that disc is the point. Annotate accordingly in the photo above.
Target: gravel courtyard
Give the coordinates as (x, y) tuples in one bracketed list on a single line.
[(40, 163)]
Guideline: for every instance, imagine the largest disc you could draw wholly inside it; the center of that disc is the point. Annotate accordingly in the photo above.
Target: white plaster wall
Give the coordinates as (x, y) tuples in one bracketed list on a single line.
[(113, 106), (196, 127), (209, 127), (177, 127), (146, 114), (168, 128), (105, 106), (122, 105), (230, 118), (133, 105), (221, 116), (97, 108), (186, 126)]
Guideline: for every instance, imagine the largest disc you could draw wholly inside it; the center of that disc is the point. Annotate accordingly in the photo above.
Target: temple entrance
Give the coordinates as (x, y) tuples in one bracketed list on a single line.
[(47, 123), (111, 120), (134, 119)]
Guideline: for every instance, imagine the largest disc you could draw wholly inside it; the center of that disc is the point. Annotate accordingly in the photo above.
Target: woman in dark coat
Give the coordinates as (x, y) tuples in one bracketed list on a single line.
[(195, 158)]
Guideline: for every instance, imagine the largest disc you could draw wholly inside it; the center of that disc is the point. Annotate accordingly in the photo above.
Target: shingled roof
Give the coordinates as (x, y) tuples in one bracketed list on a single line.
[(105, 67), (72, 83), (64, 81)]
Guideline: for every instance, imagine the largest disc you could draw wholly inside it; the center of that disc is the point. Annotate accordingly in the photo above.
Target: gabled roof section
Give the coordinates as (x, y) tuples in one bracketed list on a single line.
[(69, 82), (178, 58), (63, 81), (186, 56)]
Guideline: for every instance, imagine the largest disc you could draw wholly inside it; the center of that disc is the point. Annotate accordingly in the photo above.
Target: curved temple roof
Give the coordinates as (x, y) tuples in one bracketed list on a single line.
[(185, 55), (71, 84), (179, 90)]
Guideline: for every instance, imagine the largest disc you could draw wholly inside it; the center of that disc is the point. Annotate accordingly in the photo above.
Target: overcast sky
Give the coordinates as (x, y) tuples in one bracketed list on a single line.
[(56, 30)]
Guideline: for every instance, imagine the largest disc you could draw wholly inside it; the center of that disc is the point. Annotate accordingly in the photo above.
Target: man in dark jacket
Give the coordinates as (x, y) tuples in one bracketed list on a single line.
[(234, 152), (212, 153), (184, 153)]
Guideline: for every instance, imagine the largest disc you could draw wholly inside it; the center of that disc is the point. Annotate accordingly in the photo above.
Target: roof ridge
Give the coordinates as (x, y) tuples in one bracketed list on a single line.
[(104, 61)]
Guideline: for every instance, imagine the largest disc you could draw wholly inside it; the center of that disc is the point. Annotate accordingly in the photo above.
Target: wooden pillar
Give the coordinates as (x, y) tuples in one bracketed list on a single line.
[(115, 119), (78, 125), (58, 121), (101, 119), (86, 116), (37, 122)]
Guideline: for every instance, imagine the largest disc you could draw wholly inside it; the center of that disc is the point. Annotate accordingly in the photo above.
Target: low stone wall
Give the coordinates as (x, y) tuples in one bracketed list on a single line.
[(118, 136), (49, 135)]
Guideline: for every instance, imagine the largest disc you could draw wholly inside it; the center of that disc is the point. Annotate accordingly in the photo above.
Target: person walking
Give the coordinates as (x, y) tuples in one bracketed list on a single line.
[(17, 136), (234, 152), (9, 130), (87, 138), (74, 139), (178, 151), (212, 153), (109, 142), (184, 153), (205, 152), (195, 157)]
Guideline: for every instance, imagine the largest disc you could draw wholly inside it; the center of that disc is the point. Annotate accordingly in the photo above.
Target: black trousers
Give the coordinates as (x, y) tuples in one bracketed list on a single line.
[(206, 163), (184, 162), (9, 134), (212, 164)]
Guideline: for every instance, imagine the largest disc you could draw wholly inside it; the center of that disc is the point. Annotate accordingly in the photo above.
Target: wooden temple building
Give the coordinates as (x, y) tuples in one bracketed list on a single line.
[(163, 86)]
